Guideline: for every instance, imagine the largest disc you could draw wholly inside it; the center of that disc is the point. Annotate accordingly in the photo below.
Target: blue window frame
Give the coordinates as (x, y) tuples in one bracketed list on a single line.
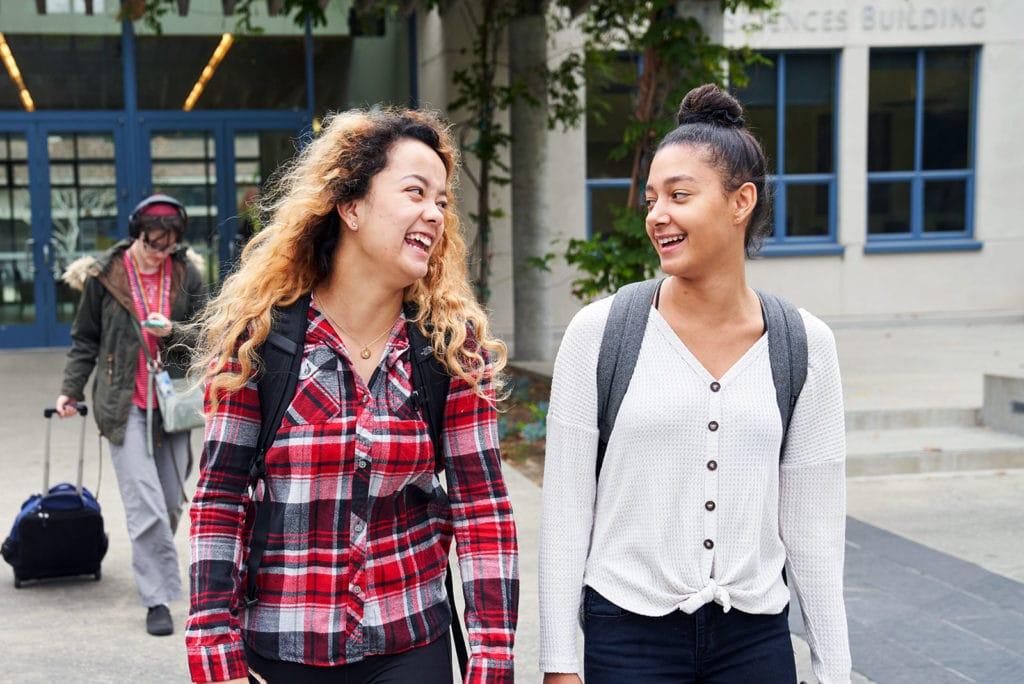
[(921, 111), (790, 105), (607, 187)]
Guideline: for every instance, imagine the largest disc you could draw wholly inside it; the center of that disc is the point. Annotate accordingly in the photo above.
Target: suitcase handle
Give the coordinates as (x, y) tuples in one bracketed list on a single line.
[(49, 413), (82, 409)]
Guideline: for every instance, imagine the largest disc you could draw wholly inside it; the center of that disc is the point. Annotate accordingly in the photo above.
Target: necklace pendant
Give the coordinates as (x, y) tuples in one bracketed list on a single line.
[(365, 353)]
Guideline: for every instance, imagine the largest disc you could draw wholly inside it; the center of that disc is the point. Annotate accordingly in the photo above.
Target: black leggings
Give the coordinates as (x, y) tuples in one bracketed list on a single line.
[(430, 664)]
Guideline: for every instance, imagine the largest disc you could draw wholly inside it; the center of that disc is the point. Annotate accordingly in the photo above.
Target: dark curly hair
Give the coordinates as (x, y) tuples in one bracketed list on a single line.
[(712, 119)]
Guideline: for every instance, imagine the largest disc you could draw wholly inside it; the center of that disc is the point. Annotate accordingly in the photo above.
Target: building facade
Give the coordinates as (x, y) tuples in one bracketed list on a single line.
[(97, 113), (889, 125), (893, 124)]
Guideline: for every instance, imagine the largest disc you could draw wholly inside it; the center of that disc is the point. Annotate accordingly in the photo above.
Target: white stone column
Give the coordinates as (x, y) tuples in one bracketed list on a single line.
[(852, 168), (527, 47)]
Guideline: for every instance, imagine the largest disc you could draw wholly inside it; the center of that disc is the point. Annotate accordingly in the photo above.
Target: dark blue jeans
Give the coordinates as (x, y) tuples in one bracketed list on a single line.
[(708, 647)]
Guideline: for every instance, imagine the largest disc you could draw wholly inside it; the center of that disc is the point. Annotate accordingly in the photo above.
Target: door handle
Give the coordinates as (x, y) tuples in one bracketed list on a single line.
[(46, 252)]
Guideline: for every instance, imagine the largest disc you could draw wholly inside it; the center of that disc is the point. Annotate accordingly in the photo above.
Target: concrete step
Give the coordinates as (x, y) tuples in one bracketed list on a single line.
[(904, 419), (932, 449)]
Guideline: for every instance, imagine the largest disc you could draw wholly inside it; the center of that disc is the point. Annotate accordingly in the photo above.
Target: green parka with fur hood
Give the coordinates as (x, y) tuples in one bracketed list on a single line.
[(103, 334)]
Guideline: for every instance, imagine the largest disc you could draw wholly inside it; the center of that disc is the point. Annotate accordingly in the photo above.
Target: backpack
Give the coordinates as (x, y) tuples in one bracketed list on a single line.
[(276, 385), (624, 333)]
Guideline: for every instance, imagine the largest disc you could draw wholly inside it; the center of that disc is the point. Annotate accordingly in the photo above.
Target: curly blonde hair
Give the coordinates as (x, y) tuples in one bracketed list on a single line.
[(293, 253)]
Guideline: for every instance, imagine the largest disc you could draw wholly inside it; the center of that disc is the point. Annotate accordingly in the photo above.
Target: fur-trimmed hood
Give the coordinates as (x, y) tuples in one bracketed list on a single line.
[(83, 267)]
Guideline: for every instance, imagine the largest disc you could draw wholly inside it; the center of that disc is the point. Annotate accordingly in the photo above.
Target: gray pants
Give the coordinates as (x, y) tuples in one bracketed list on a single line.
[(152, 497)]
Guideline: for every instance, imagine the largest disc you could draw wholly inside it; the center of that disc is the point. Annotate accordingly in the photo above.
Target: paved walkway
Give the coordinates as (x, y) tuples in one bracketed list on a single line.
[(933, 578)]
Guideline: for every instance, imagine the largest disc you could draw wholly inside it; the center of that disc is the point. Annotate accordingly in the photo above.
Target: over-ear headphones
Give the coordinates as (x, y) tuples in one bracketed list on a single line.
[(135, 225)]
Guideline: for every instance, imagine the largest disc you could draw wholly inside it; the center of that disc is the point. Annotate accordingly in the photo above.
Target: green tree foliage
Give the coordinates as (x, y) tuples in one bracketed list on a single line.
[(675, 55), (152, 12)]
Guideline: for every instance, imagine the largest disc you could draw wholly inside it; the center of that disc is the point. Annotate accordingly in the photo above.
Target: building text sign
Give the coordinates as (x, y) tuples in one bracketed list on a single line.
[(866, 18)]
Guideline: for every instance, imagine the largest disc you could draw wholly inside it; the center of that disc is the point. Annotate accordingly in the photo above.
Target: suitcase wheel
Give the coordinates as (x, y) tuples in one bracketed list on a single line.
[(17, 583), (98, 575)]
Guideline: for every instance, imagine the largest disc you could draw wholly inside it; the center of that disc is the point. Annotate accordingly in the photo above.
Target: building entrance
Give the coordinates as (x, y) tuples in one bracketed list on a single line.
[(68, 184)]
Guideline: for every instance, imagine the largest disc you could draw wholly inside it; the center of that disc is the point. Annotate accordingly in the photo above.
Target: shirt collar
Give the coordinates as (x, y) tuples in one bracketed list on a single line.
[(322, 332)]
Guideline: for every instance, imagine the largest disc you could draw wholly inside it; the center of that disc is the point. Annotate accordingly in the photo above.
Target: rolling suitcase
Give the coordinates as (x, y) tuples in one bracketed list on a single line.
[(58, 533)]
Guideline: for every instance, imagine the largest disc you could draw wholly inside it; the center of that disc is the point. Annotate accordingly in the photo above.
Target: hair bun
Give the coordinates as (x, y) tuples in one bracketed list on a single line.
[(711, 105)]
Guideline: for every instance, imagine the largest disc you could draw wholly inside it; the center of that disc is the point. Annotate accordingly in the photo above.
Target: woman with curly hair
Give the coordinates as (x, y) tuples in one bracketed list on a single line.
[(363, 235)]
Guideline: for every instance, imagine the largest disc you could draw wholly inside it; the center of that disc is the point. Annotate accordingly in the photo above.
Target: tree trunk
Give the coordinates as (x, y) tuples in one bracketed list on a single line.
[(530, 227), (485, 117)]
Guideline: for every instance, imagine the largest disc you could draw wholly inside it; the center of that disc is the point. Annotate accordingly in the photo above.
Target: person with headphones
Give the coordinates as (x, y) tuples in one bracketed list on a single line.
[(143, 288)]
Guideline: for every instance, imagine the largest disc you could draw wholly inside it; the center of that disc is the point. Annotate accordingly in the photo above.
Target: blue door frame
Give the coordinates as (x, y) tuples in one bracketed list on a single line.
[(131, 129), (134, 181), (45, 330), (223, 128)]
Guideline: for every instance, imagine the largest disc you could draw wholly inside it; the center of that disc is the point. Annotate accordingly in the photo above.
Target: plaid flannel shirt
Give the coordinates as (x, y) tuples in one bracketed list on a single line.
[(360, 526)]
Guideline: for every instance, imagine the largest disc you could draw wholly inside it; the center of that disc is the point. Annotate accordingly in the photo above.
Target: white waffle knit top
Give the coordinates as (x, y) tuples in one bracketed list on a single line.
[(647, 537)]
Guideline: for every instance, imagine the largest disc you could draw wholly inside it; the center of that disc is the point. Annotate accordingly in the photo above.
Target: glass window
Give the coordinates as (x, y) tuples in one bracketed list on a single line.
[(83, 204), (889, 208), (17, 268), (947, 110), (760, 108), (891, 97), (184, 167), (258, 156), (945, 204), (253, 72), (89, 67), (611, 98), (605, 202), (331, 57), (810, 96), (803, 124), (919, 131), (807, 209)]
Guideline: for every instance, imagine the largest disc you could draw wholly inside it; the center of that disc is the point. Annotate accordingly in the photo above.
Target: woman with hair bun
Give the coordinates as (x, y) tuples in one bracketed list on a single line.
[(717, 470), (350, 586)]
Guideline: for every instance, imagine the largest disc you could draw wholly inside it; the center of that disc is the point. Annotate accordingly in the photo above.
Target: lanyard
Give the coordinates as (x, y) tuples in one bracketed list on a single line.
[(137, 283)]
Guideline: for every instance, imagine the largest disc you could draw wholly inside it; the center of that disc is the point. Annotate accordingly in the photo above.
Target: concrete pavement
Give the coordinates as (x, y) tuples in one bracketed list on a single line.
[(961, 523)]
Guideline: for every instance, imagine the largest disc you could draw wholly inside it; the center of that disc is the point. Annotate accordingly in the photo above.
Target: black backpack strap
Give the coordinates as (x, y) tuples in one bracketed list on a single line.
[(620, 347), (430, 382), (787, 348), (282, 359)]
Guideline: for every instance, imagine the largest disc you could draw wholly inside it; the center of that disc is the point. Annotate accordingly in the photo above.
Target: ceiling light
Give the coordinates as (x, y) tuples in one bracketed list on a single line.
[(226, 41), (7, 57)]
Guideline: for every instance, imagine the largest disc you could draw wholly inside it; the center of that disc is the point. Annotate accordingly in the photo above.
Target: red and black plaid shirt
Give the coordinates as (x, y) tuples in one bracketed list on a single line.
[(360, 526)]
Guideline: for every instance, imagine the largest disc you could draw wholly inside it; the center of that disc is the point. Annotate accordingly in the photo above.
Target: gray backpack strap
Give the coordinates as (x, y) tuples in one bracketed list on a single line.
[(787, 349), (620, 347)]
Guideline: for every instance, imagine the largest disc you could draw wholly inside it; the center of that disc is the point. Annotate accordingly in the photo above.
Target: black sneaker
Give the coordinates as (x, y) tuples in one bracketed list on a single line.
[(158, 621)]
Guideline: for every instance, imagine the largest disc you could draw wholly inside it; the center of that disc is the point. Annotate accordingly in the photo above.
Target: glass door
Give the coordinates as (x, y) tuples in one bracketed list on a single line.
[(83, 207), (258, 154), (22, 322), (184, 165), (216, 166)]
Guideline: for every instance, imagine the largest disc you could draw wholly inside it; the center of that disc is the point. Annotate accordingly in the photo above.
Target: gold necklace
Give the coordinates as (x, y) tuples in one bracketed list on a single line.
[(364, 351)]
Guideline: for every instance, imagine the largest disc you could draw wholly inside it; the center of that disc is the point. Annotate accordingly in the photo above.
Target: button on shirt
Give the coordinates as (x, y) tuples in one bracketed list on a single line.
[(693, 505), (358, 544)]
